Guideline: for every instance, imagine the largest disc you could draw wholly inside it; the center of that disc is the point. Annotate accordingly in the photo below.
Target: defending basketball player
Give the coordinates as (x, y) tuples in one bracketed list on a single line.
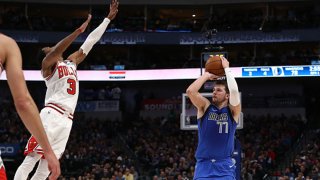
[(217, 121), (11, 60), (61, 97)]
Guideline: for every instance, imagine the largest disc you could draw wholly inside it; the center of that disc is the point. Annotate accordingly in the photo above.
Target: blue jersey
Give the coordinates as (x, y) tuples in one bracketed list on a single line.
[(216, 130)]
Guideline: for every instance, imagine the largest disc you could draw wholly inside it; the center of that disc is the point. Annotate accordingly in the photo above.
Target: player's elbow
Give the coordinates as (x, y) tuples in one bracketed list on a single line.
[(234, 92), (23, 103), (234, 98), (190, 92)]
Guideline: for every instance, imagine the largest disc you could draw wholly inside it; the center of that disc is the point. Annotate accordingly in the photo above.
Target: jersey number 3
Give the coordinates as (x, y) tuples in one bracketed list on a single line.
[(72, 86)]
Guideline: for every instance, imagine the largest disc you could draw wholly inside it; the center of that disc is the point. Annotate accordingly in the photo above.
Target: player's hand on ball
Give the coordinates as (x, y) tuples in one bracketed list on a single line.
[(224, 62), (211, 76)]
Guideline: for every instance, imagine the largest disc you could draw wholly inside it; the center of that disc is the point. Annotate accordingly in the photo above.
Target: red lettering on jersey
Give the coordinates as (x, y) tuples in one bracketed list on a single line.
[(65, 71), (74, 72), (70, 71), (60, 71)]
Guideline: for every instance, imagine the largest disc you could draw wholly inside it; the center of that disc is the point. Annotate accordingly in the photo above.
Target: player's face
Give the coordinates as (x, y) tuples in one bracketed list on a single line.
[(219, 94)]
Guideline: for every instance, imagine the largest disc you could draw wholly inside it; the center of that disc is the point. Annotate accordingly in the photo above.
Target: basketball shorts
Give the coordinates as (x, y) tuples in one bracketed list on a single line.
[(57, 127), (215, 169)]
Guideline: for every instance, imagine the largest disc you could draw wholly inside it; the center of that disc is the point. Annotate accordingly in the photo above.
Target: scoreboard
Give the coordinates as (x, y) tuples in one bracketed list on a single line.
[(280, 71)]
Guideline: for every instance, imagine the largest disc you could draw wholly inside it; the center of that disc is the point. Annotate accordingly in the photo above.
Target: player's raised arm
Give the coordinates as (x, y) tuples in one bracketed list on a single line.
[(196, 98), (234, 99), (55, 52), (95, 35)]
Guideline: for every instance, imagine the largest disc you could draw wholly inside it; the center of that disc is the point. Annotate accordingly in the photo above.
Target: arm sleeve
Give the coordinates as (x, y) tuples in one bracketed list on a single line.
[(233, 88), (94, 36)]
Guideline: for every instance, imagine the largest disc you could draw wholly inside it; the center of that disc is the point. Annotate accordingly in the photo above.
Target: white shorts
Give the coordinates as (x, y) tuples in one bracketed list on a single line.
[(57, 127)]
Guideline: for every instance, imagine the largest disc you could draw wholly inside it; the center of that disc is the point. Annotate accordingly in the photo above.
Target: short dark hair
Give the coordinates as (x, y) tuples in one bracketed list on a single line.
[(222, 82)]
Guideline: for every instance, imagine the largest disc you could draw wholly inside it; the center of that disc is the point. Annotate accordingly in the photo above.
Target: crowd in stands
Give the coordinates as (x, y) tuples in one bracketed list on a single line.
[(281, 56), (156, 147), (265, 142), (107, 93), (171, 57), (152, 147), (93, 152), (229, 18), (225, 18), (164, 151), (179, 57), (306, 163)]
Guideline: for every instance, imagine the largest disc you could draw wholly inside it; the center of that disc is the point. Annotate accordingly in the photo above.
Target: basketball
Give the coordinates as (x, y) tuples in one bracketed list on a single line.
[(214, 66)]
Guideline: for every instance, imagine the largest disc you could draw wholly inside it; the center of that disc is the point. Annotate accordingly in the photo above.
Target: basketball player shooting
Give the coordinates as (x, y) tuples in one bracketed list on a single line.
[(217, 121), (61, 97)]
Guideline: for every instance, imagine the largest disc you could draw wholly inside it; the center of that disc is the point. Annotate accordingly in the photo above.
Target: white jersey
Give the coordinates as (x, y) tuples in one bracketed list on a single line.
[(63, 86)]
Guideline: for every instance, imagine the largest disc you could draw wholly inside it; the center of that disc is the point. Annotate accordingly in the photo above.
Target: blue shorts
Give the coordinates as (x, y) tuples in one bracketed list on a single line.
[(215, 169)]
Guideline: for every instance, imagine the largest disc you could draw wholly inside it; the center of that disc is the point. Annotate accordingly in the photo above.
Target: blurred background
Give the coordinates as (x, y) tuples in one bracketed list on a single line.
[(133, 127)]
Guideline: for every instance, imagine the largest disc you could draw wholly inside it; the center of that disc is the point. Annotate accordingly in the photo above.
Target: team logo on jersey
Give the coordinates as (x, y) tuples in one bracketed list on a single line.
[(218, 117), (66, 71)]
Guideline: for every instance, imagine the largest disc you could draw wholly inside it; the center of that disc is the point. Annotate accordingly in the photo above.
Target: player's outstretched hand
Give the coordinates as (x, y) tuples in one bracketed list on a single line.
[(53, 165), (113, 9), (83, 27), (224, 62)]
